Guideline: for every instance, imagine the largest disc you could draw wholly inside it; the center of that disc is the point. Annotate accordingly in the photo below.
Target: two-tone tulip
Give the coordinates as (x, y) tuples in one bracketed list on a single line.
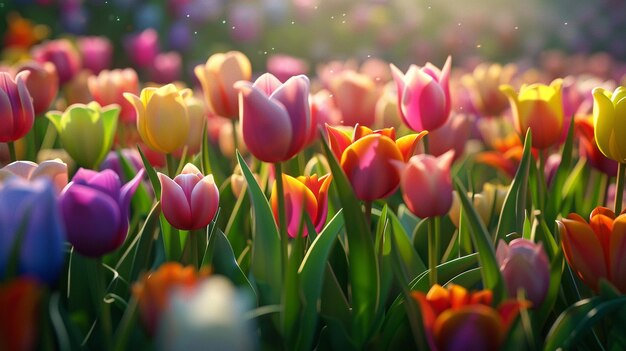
[(108, 87), (540, 108), (42, 84), (162, 117), (524, 265), (275, 117), (153, 290), (217, 77), (55, 170), (372, 160), (62, 54), (190, 200), (427, 186), (305, 194), (596, 249), (424, 95), (455, 318), (94, 206), (86, 131), (609, 114), (16, 107)]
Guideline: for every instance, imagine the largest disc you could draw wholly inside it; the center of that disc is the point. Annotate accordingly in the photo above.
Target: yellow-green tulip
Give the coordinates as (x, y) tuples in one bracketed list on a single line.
[(86, 131), (609, 122), (162, 117)]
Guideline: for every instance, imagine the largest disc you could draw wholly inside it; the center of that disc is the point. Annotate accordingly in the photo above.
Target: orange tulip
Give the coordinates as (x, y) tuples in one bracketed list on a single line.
[(19, 303), (596, 249), (456, 319), (153, 290), (372, 160)]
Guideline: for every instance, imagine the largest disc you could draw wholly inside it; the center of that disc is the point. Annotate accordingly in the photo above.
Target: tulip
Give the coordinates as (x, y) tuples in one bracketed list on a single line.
[(76, 91), (166, 67), (142, 47), (19, 300), (483, 86), (113, 162), (308, 194), (29, 213), (487, 203), (424, 95), (197, 121), (190, 200), (62, 54), (153, 291), (108, 87), (97, 53), (540, 108), (426, 185), (387, 108), (86, 131), (94, 206), (524, 265), (162, 118), (596, 249), (212, 315), (609, 114), (451, 136), (284, 67), (457, 319), (42, 84), (226, 139), (55, 170), (372, 159), (275, 117), (355, 96), (217, 77), (22, 33), (16, 107)]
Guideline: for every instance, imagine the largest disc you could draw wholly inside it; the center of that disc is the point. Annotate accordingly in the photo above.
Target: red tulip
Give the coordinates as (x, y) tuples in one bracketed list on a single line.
[(42, 84), (19, 302), (16, 107)]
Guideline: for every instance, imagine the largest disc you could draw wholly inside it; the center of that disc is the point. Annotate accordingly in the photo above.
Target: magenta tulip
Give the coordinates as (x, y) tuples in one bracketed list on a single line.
[(190, 200), (63, 55), (143, 47), (16, 107), (426, 185), (97, 53)]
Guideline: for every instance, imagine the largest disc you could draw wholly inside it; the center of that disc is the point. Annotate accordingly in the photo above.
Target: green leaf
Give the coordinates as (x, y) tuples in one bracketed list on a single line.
[(467, 279), (266, 253), (364, 275), (154, 180), (556, 269), (512, 214), (143, 251), (141, 201), (224, 262), (555, 198)]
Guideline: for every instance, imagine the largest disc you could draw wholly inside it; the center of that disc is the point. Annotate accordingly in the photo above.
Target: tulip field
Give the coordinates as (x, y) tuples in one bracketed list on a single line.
[(217, 197)]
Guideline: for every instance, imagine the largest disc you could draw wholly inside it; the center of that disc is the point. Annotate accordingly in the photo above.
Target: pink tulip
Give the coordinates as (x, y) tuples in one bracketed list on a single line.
[(109, 87), (285, 67), (42, 84), (97, 53), (275, 117), (143, 47), (55, 170), (355, 95), (62, 54), (424, 95), (524, 265), (16, 107), (190, 200), (166, 68), (451, 136), (426, 185)]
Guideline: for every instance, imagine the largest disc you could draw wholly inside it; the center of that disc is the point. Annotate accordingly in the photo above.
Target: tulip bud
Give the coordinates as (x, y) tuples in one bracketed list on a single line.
[(86, 131), (190, 200), (42, 84), (94, 206), (608, 122), (524, 265), (426, 185), (16, 107)]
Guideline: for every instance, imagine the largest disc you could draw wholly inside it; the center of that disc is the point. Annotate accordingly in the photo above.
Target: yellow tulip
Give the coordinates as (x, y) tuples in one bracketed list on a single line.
[(540, 108), (609, 117), (162, 117)]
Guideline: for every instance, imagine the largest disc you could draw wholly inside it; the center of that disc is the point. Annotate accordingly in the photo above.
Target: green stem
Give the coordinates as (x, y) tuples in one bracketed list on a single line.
[(11, 145), (282, 220), (619, 189), (426, 145), (235, 136), (433, 248), (368, 212), (543, 186), (102, 309), (171, 165)]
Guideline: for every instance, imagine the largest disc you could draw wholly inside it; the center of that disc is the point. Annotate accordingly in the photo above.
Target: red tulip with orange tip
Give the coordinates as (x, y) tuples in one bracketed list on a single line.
[(596, 249), (456, 319), (372, 160)]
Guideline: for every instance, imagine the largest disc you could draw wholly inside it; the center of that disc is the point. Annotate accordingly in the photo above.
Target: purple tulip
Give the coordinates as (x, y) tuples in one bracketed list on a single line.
[(524, 265), (32, 205), (94, 206), (143, 47), (97, 53)]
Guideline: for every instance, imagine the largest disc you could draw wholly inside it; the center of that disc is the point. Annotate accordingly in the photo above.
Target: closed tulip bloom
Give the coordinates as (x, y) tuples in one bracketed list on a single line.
[(305, 193), (42, 84), (16, 107), (426, 185), (162, 119), (284, 67), (453, 135), (154, 290), (55, 170), (372, 160), (62, 54), (217, 77), (424, 95), (190, 200), (275, 117), (142, 47), (166, 68), (609, 115), (483, 86), (19, 299), (540, 108), (86, 131), (97, 53), (596, 249), (524, 265), (355, 96), (94, 206), (29, 209), (108, 87)]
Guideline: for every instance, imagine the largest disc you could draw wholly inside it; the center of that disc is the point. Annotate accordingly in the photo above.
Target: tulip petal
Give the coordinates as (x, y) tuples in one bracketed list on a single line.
[(603, 121), (167, 122), (6, 127), (108, 182), (294, 95), (176, 207), (267, 83), (23, 169), (617, 258), (408, 143), (475, 327), (56, 170), (423, 102), (204, 202), (583, 251), (338, 139)]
